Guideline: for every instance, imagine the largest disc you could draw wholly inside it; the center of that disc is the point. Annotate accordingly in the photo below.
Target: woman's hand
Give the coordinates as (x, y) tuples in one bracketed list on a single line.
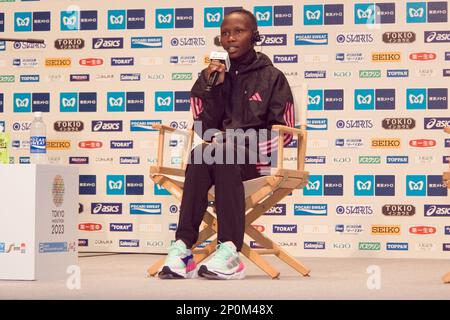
[(216, 65)]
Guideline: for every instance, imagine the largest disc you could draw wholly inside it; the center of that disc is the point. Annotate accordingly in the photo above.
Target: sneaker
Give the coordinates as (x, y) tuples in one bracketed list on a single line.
[(179, 263), (224, 265)]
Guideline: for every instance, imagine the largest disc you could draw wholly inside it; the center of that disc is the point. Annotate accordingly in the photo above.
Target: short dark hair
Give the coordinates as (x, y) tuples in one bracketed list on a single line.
[(253, 22)]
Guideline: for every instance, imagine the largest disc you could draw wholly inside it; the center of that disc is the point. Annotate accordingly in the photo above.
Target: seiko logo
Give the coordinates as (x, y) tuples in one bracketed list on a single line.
[(386, 57), (386, 229), (399, 123), (68, 126), (406, 210), (386, 143), (58, 62), (69, 44)]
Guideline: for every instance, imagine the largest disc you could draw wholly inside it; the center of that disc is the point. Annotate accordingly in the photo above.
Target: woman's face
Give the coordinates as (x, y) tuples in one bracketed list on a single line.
[(236, 34)]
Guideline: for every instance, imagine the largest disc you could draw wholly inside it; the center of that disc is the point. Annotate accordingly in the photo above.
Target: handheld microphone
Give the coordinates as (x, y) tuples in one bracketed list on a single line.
[(223, 57)]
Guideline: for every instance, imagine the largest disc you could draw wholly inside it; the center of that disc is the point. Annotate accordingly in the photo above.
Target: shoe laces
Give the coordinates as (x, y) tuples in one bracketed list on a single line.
[(223, 252)]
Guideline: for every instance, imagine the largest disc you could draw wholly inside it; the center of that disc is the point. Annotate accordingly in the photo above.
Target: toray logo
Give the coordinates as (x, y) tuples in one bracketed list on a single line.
[(328, 14), (213, 16), (369, 185), (374, 13), (32, 21), (267, 16), (328, 185), (126, 19), (174, 18), (78, 20), (374, 99), (326, 99), (422, 98), (31, 102), (422, 185), (172, 101), (125, 101), (78, 102), (426, 12)]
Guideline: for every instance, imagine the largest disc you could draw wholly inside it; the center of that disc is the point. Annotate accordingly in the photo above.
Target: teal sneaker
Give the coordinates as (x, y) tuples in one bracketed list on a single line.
[(224, 265), (179, 263)]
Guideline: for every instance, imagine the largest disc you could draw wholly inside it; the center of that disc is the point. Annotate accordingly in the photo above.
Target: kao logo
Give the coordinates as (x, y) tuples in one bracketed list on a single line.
[(332, 99), (328, 14), (32, 21), (422, 185), (374, 99), (267, 16), (172, 101), (423, 98), (126, 19), (374, 13), (426, 12), (78, 102), (174, 18), (125, 101), (31, 102), (78, 20)]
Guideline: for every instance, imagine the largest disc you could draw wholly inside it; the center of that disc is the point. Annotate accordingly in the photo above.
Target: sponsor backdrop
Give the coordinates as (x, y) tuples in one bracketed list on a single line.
[(378, 100)]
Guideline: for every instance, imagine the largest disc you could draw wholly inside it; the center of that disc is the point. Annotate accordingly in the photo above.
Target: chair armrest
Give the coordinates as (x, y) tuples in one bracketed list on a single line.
[(163, 127), (288, 129)]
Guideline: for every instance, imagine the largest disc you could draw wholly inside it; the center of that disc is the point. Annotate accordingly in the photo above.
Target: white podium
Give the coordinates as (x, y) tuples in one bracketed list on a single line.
[(38, 219)]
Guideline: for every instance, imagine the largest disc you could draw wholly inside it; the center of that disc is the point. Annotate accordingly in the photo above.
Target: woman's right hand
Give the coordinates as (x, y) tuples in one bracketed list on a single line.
[(216, 65)]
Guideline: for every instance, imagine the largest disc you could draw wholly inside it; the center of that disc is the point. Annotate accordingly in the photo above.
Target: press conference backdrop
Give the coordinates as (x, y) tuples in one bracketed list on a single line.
[(378, 101)]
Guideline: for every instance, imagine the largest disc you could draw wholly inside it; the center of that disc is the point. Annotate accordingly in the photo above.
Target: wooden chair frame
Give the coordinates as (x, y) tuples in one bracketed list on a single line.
[(276, 186)]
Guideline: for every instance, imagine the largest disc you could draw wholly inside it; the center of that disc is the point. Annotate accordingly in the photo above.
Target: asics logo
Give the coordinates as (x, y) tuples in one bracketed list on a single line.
[(415, 186), (313, 185), (68, 102), (364, 99), (313, 15), (23, 22), (364, 14), (213, 17), (314, 100), (115, 185), (416, 13), (416, 98), (69, 21), (116, 20), (260, 16), (164, 101), (22, 103), (364, 185), (164, 18), (116, 102)]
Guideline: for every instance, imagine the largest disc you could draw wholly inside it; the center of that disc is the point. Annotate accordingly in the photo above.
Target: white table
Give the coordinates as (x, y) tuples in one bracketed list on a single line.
[(38, 219)]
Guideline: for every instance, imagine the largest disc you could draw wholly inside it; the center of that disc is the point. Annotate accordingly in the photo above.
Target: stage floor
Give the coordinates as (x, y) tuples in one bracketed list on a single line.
[(123, 276)]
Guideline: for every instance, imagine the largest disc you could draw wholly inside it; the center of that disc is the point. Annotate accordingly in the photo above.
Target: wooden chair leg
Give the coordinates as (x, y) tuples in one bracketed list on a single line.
[(446, 278), (255, 257), (280, 252), (154, 268)]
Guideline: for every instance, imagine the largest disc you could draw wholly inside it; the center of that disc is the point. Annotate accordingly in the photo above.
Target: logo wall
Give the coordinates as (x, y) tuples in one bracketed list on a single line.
[(377, 107)]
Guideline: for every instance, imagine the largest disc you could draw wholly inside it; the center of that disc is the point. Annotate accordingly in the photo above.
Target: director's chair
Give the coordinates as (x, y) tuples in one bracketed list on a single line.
[(261, 193), (446, 176)]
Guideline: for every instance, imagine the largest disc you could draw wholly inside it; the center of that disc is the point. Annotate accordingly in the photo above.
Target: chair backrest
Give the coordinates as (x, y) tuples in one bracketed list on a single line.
[(300, 94)]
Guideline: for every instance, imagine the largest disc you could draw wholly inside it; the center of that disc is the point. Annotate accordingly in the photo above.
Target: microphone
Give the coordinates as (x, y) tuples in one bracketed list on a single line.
[(223, 57)]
